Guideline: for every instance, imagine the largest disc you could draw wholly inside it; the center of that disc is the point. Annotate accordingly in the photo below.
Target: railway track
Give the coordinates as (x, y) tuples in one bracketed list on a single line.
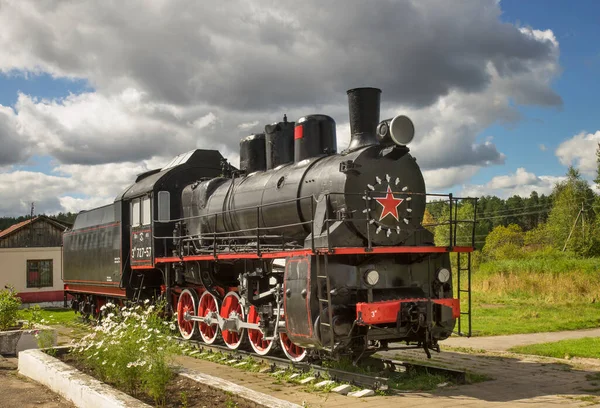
[(338, 375)]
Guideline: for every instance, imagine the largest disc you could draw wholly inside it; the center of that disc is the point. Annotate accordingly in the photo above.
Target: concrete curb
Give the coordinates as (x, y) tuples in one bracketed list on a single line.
[(75, 386), (86, 391), (243, 392)]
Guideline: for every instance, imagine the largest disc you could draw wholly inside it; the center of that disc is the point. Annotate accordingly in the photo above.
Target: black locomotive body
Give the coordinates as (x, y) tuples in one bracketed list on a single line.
[(302, 247)]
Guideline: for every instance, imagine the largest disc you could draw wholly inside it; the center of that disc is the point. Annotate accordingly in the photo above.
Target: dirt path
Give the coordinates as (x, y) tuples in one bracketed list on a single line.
[(503, 343), (19, 392), (516, 380)]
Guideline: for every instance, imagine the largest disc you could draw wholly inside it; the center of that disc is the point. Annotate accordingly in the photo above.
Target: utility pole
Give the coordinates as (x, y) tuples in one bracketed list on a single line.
[(580, 213), (582, 222), (31, 225)]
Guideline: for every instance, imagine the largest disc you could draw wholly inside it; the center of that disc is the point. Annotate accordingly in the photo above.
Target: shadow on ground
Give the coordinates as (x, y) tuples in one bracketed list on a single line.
[(514, 378)]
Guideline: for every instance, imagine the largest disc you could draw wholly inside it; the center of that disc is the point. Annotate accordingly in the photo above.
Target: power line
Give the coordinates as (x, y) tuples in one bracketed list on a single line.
[(518, 214)]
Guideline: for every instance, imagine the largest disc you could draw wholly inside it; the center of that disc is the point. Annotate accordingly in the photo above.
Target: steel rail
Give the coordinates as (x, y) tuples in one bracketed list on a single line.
[(377, 383), (358, 379)]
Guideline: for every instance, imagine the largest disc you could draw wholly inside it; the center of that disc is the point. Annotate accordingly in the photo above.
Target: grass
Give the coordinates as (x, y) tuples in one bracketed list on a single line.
[(585, 347), (50, 316), (545, 293), (417, 381), (517, 315)]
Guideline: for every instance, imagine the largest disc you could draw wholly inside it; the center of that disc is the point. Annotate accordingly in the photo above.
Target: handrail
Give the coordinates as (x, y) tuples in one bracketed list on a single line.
[(254, 238)]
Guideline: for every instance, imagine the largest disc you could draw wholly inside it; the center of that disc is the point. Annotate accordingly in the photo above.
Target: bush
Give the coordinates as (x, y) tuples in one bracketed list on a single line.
[(131, 349), (9, 308), (504, 242)]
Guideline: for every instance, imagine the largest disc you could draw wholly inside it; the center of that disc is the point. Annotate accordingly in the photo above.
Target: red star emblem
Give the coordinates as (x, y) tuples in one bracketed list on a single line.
[(390, 204)]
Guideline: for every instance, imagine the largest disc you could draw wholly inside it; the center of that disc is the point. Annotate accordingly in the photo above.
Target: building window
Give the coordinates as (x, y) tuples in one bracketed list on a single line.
[(39, 273)]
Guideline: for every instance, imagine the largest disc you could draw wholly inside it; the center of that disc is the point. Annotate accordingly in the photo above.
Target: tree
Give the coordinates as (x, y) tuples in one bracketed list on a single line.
[(428, 221), (597, 179), (504, 242), (462, 226), (572, 214)]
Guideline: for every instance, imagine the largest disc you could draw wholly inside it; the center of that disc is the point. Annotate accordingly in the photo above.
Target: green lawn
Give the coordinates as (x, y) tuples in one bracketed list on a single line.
[(49, 315), (584, 347), (538, 294), (513, 316)]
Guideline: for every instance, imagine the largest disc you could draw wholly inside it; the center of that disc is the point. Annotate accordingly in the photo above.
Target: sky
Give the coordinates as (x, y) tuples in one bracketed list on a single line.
[(502, 93)]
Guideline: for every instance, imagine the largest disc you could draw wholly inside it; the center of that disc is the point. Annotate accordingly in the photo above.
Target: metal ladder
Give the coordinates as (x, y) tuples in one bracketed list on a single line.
[(460, 291), (323, 275)]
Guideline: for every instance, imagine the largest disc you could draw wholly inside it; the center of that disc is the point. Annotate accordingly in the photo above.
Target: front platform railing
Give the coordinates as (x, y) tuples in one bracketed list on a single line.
[(451, 220)]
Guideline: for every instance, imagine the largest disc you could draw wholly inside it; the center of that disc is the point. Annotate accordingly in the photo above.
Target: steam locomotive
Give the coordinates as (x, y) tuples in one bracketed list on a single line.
[(301, 248)]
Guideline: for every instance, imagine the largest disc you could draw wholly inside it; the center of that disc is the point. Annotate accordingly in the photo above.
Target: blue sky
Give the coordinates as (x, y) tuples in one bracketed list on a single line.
[(576, 26), (95, 93)]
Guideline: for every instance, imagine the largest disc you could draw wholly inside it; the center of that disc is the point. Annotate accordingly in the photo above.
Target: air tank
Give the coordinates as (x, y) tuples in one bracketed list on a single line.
[(279, 140), (314, 135), (252, 153)]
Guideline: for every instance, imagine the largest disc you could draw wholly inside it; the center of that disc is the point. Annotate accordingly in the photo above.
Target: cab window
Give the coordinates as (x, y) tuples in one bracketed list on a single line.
[(146, 211), (135, 212)]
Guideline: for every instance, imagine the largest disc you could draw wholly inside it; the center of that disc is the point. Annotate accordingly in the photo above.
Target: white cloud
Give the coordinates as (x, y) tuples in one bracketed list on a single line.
[(20, 188), (580, 151), (169, 77), (520, 183), (441, 179), (71, 187), (249, 125), (13, 148), (91, 128)]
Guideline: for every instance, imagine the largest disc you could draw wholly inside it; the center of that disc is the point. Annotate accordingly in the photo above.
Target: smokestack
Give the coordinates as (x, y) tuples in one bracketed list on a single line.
[(363, 104)]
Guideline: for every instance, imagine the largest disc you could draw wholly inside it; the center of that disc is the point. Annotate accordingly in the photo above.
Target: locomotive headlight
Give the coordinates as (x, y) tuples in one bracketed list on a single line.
[(443, 275), (372, 277)]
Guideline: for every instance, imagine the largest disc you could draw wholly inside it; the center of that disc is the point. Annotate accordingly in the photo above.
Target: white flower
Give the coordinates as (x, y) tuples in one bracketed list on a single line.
[(104, 362), (172, 326), (129, 365), (146, 301), (102, 308)]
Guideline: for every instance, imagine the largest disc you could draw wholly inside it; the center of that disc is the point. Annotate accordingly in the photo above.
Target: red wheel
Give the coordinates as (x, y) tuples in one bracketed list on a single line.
[(208, 307), (232, 307), (186, 304), (293, 352), (260, 346)]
